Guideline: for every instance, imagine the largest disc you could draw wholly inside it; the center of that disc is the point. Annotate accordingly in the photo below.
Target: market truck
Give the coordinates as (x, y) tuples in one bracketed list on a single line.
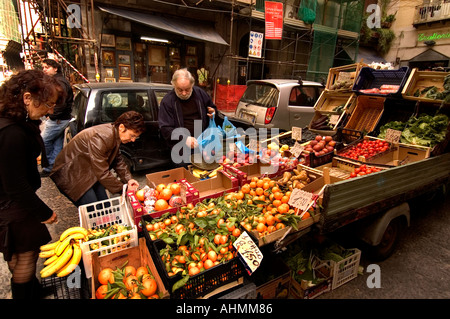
[(380, 201)]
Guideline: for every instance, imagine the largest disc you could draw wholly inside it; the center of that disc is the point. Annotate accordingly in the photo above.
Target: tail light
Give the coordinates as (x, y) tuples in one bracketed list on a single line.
[(269, 114)]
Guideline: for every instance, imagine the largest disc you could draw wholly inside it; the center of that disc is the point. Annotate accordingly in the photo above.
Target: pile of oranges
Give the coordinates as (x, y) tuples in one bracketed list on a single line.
[(164, 193), (127, 282)]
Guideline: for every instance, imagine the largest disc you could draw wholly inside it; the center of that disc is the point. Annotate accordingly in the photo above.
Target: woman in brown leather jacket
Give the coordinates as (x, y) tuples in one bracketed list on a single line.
[(24, 99), (82, 170)]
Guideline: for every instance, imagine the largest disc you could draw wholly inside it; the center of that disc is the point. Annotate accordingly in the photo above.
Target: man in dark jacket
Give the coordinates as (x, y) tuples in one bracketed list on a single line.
[(184, 113), (56, 123)]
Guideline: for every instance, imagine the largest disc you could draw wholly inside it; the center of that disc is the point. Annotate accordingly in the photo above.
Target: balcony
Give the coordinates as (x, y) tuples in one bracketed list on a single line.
[(432, 11)]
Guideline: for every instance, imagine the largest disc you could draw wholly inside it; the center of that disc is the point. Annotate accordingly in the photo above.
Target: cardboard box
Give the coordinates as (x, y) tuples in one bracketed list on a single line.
[(136, 256), (277, 287), (399, 154), (245, 173), (305, 289), (170, 176), (215, 187)]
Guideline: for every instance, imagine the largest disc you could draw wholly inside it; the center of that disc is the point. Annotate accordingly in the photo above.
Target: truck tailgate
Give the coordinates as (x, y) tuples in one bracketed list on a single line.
[(349, 200)]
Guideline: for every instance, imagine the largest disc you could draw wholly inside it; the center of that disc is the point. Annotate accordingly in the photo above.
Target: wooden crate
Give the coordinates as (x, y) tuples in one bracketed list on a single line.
[(346, 72), (418, 80), (329, 100), (366, 114)]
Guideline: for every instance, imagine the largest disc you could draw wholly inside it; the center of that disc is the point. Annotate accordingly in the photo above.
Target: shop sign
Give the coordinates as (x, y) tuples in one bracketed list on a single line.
[(255, 44), (274, 20), (434, 36)]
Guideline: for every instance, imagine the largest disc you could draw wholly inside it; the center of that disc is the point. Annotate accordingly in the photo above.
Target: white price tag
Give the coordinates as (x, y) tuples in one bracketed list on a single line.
[(296, 133), (248, 252), (300, 199), (393, 136), (297, 149)]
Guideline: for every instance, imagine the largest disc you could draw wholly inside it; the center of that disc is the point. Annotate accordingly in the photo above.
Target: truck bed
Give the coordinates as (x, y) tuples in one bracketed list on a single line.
[(349, 200)]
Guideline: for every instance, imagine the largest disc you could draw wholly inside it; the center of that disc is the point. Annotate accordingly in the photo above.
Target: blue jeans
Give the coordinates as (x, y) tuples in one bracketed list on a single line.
[(95, 194), (53, 137)]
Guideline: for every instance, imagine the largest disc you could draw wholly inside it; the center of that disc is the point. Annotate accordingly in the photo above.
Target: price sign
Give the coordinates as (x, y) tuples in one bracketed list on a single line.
[(333, 119), (297, 133), (300, 199), (393, 136), (297, 149), (248, 252)]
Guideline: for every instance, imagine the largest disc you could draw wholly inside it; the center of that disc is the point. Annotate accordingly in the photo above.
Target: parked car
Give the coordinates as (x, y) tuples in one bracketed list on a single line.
[(98, 103), (278, 103)]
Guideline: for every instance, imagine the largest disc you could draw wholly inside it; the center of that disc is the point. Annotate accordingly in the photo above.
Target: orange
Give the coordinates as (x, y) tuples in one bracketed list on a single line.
[(194, 271), (140, 195), (166, 193), (278, 195), (245, 188), (160, 187), (276, 202), (129, 271), (260, 183), (150, 287), (161, 204), (270, 220), (306, 215), (101, 291), (276, 189), (283, 208), (149, 227), (259, 191), (280, 226), (105, 276), (217, 239), (261, 227), (236, 232), (212, 255), (252, 184), (208, 263), (175, 188), (266, 185), (285, 199), (141, 271)]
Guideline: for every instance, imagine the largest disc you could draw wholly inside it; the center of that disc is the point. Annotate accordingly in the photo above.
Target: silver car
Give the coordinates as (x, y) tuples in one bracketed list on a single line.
[(278, 103)]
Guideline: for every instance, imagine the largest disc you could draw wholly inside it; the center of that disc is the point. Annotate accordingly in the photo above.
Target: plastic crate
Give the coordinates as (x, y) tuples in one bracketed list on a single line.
[(64, 288), (202, 283), (369, 78), (346, 269), (103, 214)]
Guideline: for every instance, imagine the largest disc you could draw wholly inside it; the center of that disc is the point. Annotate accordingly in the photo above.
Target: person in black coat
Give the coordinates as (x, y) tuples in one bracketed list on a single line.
[(184, 114), (24, 99)]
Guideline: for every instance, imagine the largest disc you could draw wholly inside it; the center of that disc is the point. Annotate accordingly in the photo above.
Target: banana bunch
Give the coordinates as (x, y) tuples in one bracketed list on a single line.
[(201, 174), (63, 256)]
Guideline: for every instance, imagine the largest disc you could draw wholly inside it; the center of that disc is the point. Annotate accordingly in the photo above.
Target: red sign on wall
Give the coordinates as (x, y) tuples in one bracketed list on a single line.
[(274, 20)]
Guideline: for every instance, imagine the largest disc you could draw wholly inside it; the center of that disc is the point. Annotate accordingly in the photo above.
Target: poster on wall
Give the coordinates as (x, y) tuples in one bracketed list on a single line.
[(274, 20), (255, 44)]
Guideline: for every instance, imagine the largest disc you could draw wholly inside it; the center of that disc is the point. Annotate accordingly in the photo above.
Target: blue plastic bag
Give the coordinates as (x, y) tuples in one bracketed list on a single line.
[(229, 130), (210, 142)]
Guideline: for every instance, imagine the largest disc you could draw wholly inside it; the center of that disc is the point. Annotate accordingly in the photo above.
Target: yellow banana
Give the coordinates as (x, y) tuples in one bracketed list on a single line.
[(48, 261), (73, 230), (58, 263), (50, 246), (214, 172), (47, 253), (72, 264), (62, 247)]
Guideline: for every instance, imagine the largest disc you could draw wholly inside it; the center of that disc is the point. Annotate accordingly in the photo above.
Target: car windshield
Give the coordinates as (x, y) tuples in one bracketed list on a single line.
[(116, 103), (261, 94)]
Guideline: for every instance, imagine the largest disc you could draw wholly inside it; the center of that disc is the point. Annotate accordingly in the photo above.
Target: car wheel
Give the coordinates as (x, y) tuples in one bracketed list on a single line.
[(389, 241)]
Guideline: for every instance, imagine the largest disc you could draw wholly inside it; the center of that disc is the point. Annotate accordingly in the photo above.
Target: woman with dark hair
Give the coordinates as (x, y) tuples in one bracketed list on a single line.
[(82, 170), (24, 99)]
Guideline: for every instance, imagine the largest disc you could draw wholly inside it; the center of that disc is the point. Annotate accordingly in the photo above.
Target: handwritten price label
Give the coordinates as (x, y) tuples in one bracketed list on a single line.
[(249, 252), (296, 133), (300, 199), (393, 136), (297, 149)]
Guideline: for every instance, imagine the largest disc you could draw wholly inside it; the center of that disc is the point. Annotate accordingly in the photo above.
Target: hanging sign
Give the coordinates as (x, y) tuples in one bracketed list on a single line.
[(255, 44), (274, 20)]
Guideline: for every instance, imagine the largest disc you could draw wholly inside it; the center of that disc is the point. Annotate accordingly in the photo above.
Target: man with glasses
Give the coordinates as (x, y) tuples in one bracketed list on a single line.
[(53, 134), (184, 107)]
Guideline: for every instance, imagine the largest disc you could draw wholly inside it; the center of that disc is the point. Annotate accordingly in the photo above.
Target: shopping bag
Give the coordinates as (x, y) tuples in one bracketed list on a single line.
[(229, 130), (210, 142)]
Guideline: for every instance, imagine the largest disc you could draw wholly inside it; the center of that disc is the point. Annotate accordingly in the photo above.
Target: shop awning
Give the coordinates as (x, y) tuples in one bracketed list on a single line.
[(189, 29), (366, 54), (429, 55)]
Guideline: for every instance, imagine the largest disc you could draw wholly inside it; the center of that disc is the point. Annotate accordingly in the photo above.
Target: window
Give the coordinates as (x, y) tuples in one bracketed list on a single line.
[(115, 104), (303, 96), (264, 95)]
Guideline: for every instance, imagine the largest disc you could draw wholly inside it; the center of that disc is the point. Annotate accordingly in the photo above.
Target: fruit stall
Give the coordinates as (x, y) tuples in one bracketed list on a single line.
[(196, 233)]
